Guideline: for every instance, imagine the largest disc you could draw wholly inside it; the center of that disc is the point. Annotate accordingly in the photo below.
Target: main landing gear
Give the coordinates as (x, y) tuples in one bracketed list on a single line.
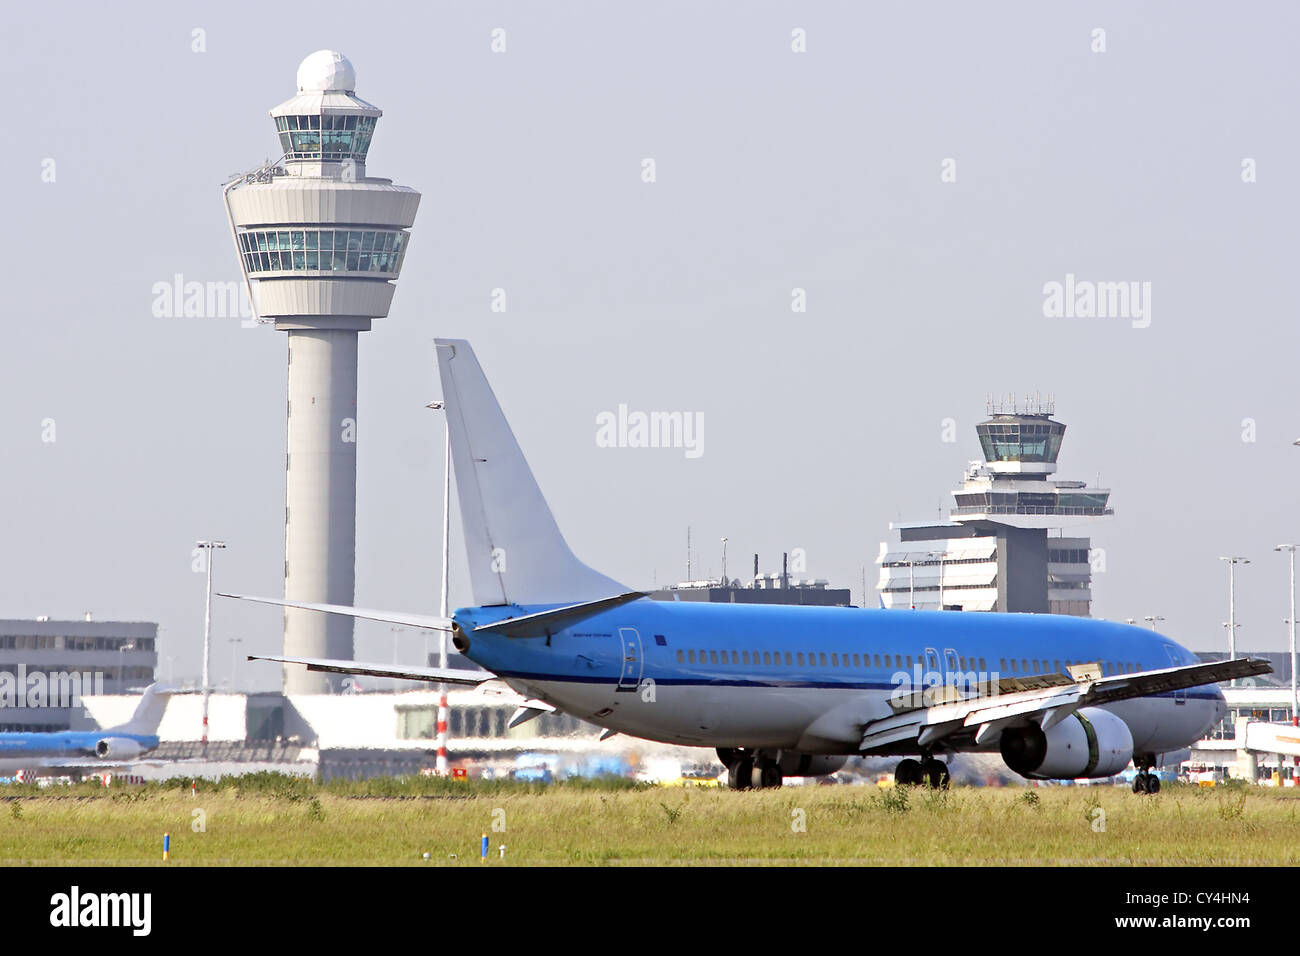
[(749, 769), (922, 773), (1145, 781)]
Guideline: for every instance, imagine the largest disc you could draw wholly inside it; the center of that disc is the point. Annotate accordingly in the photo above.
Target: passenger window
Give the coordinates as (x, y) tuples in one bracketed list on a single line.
[(961, 662), (681, 658), (877, 659), (1024, 665), (1004, 663), (690, 656), (735, 658), (1056, 667), (1036, 667), (713, 657), (1044, 667), (909, 662), (835, 661), (744, 657), (800, 658), (788, 660), (1013, 665), (983, 666), (821, 656)]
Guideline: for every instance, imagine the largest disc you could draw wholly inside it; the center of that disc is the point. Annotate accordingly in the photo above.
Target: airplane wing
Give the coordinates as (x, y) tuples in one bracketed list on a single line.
[(434, 675), (428, 621), (980, 720)]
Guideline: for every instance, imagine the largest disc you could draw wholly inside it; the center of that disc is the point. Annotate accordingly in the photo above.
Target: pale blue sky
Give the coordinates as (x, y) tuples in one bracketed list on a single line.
[(775, 170)]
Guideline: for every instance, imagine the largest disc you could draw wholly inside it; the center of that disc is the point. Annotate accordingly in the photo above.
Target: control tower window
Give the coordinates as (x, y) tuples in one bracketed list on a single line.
[(325, 137), (323, 250)]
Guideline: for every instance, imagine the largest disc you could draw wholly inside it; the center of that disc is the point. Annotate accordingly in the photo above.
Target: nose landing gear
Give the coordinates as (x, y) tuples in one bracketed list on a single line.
[(1145, 781)]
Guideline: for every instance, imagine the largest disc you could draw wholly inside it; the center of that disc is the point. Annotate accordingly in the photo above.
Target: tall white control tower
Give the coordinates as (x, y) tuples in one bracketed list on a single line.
[(321, 245)]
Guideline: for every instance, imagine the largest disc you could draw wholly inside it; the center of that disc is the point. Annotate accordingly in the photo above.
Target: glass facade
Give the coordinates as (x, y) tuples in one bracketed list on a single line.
[(325, 137), (323, 250)]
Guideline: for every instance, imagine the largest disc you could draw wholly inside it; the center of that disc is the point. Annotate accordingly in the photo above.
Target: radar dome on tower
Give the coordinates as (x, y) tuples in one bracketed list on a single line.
[(326, 71)]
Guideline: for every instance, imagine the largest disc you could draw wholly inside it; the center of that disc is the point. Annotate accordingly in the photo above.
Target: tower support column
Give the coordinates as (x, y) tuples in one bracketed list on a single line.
[(320, 500)]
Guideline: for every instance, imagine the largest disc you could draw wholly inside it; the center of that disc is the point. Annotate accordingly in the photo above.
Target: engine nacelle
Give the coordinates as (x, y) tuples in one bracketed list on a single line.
[(120, 748), (794, 764), (1091, 742)]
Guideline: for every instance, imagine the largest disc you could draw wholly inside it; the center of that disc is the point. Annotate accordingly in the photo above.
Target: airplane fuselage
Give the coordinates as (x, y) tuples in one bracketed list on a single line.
[(808, 679)]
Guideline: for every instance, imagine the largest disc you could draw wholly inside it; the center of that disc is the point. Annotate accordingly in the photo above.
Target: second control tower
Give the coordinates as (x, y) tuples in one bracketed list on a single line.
[(321, 245)]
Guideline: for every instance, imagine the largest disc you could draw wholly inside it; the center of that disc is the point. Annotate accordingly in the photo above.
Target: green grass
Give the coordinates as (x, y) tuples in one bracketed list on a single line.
[(273, 820)]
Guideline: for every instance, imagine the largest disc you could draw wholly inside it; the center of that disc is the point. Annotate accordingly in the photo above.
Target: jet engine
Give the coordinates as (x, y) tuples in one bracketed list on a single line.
[(1091, 742), (118, 748), (794, 764)]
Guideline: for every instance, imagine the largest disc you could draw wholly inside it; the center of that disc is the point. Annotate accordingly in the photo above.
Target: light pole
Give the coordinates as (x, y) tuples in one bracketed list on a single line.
[(724, 562), (1233, 561), (1153, 619), (1295, 701), (124, 646), (210, 547), (440, 764), (940, 555)]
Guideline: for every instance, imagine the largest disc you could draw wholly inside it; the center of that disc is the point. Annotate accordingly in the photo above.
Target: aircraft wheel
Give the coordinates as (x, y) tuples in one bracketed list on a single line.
[(937, 774), (1137, 784), (740, 773), (1153, 784), (769, 776), (908, 773)]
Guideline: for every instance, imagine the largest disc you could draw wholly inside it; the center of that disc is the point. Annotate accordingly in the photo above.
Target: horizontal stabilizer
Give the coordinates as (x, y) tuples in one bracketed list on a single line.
[(428, 621), (434, 675), (542, 623)]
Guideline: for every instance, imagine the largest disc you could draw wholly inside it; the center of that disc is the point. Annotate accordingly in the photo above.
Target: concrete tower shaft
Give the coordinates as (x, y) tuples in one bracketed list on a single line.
[(321, 245)]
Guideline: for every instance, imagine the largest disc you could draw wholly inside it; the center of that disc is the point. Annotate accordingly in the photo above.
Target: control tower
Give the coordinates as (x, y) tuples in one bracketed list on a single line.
[(321, 245), (995, 553)]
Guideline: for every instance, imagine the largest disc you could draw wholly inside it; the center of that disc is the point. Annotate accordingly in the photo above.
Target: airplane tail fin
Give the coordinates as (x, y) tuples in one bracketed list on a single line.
[(516, 552), (148, 713)]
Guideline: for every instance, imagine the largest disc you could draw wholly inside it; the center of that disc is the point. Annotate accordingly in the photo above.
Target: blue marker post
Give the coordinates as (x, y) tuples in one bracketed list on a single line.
[(483, 850), (167, 845)]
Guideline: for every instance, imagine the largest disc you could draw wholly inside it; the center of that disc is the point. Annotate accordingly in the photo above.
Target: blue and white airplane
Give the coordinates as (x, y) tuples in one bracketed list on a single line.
[(79, 751), (783, 690)]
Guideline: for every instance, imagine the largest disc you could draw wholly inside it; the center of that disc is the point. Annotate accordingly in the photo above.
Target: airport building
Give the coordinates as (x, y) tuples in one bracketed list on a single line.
[(47, 666), (321, 244), (780, 588), (1003, 547)]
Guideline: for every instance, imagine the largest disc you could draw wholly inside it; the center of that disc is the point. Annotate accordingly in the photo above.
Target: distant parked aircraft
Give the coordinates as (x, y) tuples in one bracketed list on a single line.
[(87, 751)]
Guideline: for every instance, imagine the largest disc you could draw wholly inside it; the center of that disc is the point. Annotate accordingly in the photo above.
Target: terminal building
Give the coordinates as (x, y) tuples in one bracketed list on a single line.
[(46, 666), (997, 551)]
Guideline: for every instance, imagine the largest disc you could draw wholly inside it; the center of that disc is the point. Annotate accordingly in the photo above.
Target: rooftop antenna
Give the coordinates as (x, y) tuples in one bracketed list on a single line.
[(688, 554)]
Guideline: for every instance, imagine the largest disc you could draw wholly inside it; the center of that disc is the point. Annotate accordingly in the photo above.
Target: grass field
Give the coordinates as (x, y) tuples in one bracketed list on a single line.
[(271, 820)]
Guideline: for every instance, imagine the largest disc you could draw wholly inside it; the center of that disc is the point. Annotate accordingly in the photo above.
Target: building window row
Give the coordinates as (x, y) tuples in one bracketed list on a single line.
[(54, 642), (322, 250), (1068, 555)]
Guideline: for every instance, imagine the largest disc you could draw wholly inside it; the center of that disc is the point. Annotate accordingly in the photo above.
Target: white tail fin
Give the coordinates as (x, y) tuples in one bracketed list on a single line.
[(148, 713), (516, 552)]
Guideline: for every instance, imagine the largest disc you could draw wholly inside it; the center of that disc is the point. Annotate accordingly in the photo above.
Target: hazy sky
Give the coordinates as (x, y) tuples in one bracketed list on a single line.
[(775, 171)]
